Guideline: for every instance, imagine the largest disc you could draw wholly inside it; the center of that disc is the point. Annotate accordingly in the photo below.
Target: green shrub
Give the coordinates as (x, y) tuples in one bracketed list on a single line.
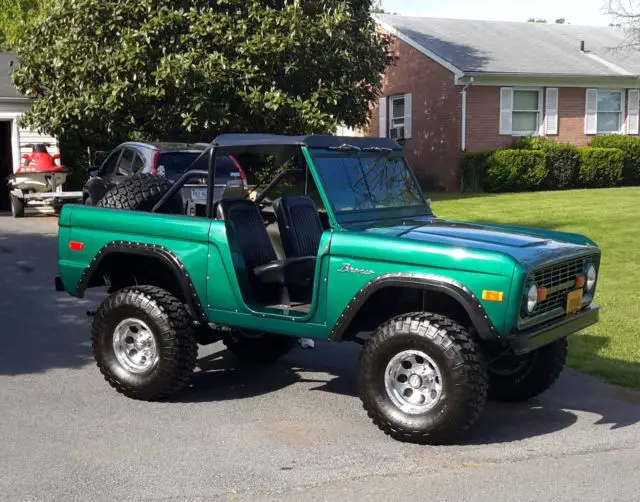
[(600, 167), (563, 162), (532, 143), (473, 169), (516, 170), (630, 146)]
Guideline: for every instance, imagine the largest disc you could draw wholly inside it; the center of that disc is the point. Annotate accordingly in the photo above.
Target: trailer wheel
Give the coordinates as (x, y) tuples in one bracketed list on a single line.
[(17, 207)]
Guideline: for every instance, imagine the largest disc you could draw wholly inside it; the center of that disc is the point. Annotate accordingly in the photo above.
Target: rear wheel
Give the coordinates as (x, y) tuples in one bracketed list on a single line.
[(143, 342), (519, 378), (257, 347), (141, 192), (422, 379), (17, 207)]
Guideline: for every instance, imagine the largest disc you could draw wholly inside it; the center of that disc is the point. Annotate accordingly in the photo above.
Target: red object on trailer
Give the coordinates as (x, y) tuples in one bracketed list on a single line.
[(40, 161)]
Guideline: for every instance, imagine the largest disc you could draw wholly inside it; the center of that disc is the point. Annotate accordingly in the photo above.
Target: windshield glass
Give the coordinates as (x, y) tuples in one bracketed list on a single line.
[(357, 183)]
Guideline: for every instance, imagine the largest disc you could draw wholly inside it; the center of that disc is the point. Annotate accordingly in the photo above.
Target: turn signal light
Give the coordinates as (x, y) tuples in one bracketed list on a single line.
[(580, 281), (76, 246), (493, 296), (542, 294)]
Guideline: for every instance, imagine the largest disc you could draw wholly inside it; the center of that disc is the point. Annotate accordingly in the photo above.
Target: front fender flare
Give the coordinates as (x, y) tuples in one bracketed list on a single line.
[(454, 289), (161, 253)]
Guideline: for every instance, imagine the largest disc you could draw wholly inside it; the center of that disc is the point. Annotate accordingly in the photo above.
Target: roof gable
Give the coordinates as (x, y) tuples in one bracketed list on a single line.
[(7, 89), (519, 48)]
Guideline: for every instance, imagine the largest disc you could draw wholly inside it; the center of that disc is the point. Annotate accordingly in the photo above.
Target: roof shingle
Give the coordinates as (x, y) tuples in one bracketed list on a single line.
[(520, 48)]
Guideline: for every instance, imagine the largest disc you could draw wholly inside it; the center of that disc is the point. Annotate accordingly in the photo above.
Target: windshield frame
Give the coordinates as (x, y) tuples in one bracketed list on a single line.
[(361, 215)]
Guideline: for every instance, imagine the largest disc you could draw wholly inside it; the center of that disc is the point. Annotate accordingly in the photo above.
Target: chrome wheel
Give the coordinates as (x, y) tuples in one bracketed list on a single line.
[(413, 381), (135, 346)]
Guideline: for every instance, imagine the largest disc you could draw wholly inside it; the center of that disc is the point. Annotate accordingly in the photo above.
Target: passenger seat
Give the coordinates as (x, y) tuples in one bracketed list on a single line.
[(300, 225), (247, 233)]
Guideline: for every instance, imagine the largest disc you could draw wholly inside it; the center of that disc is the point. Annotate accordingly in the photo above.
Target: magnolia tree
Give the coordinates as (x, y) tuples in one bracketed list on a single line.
[(102, 72)]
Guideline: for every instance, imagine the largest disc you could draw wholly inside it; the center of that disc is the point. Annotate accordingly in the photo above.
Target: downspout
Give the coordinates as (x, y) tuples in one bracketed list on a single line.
[(464, 115)]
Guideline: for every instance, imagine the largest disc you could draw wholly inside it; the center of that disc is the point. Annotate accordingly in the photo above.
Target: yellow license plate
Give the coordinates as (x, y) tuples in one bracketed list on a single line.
[(574, 301)]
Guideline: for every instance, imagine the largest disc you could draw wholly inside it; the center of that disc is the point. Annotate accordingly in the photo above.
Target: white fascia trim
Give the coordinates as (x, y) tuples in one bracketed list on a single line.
[(604, 62), (387, 27)]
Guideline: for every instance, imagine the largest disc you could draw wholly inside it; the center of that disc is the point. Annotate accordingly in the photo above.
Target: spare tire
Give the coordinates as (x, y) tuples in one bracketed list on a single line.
[(141, 192)]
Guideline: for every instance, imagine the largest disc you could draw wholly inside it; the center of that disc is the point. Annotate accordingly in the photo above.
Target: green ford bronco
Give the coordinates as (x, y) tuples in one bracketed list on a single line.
[(341, 245)]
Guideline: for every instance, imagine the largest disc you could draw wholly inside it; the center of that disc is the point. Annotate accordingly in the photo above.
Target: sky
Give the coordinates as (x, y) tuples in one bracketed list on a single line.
[(581, 12)]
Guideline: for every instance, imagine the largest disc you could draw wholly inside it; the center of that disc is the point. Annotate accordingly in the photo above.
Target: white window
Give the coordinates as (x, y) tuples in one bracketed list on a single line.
[(520, 111), (526, 111), (609, 111), (605, 111), (396, 119), (395, 116)]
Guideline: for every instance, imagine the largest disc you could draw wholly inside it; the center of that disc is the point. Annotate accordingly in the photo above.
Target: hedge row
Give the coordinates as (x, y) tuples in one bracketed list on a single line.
[(541, 164), (630, 146)]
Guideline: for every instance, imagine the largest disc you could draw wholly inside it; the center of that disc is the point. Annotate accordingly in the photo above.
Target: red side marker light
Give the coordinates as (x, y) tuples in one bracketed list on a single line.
[(76, 246)]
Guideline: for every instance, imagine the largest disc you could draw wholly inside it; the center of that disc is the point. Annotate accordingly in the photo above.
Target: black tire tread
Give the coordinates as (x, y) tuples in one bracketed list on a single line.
[(139, 192), (548, 365), (460, 348), (17, 207), (181, 360)]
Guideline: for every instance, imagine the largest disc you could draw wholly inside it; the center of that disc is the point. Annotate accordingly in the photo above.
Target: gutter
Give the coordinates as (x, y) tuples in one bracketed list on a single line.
[(542, 75), (464, 115)]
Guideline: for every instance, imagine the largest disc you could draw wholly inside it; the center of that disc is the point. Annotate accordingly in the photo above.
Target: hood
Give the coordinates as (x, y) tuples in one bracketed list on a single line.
[(528, 246)]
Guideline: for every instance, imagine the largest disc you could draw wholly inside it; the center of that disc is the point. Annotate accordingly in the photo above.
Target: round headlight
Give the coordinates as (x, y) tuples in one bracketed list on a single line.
[(532, 298), (591, 277)]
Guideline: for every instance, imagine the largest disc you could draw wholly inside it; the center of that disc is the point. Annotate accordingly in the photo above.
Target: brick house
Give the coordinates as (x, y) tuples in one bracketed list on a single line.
[(463, 85)]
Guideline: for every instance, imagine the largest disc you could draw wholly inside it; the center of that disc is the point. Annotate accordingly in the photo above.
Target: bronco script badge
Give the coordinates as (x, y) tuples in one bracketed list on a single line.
[(353, 270)]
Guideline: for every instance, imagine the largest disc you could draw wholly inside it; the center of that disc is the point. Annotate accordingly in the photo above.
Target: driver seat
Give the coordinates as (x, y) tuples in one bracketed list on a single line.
[(254, 252)]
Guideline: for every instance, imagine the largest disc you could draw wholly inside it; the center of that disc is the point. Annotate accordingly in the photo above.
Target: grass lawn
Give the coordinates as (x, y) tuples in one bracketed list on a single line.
[(611, 217)]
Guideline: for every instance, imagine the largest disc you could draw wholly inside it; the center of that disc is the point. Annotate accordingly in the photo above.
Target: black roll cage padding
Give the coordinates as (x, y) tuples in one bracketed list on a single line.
[(274, 182), (190, 174), (196, 173)]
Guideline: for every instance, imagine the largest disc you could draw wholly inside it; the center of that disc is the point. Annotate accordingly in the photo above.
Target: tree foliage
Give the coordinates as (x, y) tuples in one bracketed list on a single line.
[(175, 69), (17, 17)]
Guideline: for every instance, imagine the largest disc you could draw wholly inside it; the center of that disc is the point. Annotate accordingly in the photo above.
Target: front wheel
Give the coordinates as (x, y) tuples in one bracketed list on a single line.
[(519, 378), (143, 342), (17, 207), (422, 378)]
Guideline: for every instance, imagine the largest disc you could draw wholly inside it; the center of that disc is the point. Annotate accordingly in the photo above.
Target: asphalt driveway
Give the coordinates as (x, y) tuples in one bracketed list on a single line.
[(291, 431)]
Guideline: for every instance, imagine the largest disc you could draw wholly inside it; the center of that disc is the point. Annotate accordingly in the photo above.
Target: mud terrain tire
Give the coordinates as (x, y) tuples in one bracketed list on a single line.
[(431, 348), (148, 310), (530, 375), (141, 192)]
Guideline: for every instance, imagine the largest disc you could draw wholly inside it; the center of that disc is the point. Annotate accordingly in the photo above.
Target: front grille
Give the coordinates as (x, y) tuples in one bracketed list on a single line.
[(559, 279)]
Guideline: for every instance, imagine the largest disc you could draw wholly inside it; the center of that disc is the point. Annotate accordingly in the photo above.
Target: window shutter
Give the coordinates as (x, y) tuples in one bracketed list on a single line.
[(506, 111), (408, 115), (591, 112), (382, 116), (551, 112), (633, 120)]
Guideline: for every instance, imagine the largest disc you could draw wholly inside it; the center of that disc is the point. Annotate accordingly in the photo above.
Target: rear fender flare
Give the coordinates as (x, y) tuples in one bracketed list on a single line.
[(161, 253), (460, 293)]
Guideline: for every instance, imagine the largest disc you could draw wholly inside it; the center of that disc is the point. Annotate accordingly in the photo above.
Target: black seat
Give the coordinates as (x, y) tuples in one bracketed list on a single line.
[(249, 237), (300, 225)]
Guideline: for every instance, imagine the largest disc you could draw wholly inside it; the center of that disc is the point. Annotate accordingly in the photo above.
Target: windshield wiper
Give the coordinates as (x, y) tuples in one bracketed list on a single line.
[(345, 147), (377, 149)]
